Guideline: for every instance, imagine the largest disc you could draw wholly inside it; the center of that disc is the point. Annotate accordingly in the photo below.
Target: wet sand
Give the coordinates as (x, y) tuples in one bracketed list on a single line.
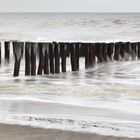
[(17, 132)]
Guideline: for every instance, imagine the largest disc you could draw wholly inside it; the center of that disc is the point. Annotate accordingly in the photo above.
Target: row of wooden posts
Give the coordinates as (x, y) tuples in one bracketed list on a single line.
[(52, 56)]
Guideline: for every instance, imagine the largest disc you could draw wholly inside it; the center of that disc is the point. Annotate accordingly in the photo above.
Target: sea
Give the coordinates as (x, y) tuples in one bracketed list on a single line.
[(104, 99)]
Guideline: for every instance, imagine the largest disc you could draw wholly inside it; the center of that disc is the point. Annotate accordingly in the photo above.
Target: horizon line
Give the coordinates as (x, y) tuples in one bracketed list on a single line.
[(68, 12)]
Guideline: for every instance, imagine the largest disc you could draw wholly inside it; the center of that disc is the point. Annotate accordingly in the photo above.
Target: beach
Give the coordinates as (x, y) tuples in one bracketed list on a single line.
[(17, 132), (91, 103)]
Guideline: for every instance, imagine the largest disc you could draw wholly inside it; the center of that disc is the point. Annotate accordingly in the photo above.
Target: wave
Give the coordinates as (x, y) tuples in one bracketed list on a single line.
[(119, 22), (70, 27), (127, 129)]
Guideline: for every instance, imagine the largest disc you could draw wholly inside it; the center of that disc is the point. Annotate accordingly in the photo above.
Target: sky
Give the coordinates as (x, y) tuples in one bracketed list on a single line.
[(69, 5)]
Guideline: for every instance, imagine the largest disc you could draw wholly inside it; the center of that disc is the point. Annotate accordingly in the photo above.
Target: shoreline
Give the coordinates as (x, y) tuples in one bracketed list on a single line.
[(20, 132), (96, 119)]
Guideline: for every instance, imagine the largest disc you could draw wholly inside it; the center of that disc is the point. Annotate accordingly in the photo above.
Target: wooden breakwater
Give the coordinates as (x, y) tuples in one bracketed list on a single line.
[(52, 56)]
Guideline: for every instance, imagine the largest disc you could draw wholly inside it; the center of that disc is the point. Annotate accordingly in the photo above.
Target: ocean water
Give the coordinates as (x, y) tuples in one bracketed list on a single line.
[(70, 27), (104, 99)]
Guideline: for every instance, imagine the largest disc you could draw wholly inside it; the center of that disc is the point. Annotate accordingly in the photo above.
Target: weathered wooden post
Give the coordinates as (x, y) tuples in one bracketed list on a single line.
[(33, 59), (41, 59), (77, 54), (67, 49), (51, 56), (63, 56), (127, 51), (138, 50), (133, 50), (7, 51), (82, 50), (57, 57), (73, 58), (117, 50), (87, 56), (122, 50), (104, 51), (46, 59), (127, 48), (99, 52), (22, 51), (110, 50), (91, 54), (17, 48), (27, 58)]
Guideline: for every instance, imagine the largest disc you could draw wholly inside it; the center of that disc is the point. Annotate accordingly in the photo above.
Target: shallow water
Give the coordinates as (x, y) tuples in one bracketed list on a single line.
[(104, 99), (101, 99)]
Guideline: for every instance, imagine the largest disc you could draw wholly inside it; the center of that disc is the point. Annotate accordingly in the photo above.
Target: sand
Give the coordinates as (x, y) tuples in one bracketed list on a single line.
[(17, 132)]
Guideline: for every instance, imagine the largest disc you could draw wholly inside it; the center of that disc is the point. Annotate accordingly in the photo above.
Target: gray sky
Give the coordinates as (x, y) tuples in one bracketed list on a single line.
[(69, 5)]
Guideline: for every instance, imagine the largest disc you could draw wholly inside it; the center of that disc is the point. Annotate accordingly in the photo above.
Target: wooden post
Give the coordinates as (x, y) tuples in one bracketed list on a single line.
[(127, 51), (46, 59), (51, 56), (110, 50), (122, 50), (117, 50), (77, 54), (27, 58), (7, 51), (73, 58), (91, 54), (67, 49), (99, 52), (17, 48), (133, 50), (63, 56), (104, 51), (138, 50), (57, 57), (41, 59), (127, 48), (33, 59), (82, 50), (87, 57), (22, 50)]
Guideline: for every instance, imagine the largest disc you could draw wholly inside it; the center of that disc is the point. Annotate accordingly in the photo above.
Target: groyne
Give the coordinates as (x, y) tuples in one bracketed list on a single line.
[(52, 56)]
